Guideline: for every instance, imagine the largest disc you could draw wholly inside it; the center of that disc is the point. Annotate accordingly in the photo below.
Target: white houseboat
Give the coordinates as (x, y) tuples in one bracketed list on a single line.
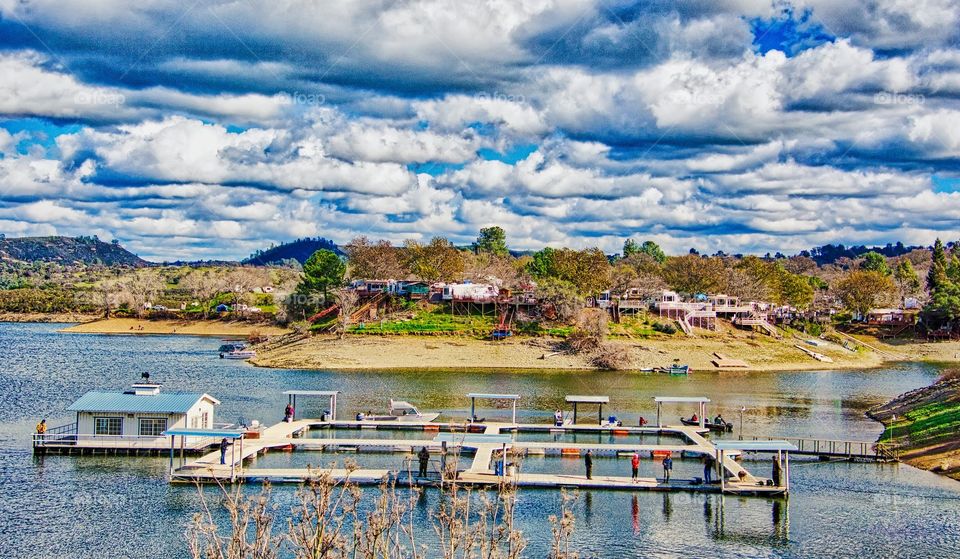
[(129, 422)]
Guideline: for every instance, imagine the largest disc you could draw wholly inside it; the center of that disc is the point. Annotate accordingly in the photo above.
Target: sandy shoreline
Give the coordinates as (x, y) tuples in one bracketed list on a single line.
[(759, 351), (183, 327), (415, 352)]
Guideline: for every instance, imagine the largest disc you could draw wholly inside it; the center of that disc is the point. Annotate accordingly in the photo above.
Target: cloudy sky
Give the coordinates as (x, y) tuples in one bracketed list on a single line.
[(209, 129)]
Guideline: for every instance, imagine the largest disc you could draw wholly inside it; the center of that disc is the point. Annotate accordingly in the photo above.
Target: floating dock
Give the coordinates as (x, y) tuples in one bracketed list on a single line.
[(475, 449)]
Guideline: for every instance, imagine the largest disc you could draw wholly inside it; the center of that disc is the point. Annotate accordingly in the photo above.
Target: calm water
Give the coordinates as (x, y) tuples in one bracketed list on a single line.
[(123, 507)]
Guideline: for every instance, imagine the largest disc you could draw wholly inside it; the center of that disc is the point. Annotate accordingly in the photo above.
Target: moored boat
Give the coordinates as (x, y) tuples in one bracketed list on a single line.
[(401, 411), (716, 427)]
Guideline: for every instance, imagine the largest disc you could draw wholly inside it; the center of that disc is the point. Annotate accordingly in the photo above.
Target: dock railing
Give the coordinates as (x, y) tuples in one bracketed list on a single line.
[(841, 448), (72, 439)]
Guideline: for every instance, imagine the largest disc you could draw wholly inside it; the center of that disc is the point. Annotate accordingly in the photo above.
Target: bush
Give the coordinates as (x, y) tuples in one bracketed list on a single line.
[(665, 328), (611, 357)]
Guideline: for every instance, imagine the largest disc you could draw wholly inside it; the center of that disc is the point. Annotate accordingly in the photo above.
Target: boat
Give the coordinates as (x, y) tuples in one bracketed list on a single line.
[(238, 354), (402, 411), (716, 427), (675, 370)]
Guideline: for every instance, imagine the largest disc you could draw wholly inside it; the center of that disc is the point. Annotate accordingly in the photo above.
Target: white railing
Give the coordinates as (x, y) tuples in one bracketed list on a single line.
[(62, 440)]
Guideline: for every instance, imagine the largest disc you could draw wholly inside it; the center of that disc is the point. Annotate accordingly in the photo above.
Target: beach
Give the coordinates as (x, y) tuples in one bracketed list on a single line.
[(184, 327), (418, 352)]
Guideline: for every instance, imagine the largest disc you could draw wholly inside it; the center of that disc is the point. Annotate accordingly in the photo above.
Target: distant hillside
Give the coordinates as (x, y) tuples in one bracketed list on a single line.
[(67, 251), (298, 250), (828, 254)]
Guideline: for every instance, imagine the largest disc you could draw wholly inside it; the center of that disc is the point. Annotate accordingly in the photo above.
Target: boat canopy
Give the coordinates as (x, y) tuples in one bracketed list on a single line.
[(595, 400), (472, 438), (486, 396), (331, 394), (756, 446)]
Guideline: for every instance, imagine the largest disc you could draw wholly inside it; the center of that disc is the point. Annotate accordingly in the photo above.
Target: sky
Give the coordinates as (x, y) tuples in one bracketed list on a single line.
[(206, 130)]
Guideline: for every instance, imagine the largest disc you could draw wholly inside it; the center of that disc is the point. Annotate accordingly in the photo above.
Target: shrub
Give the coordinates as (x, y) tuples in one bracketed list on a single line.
[(665, 328)]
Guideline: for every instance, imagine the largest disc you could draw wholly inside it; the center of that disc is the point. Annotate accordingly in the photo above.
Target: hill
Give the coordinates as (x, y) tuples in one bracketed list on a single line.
[(67, 251), (298, 250)]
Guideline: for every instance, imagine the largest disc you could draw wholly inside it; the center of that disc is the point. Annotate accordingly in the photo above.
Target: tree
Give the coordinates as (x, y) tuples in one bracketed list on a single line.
[(541, 264), (141, 287), (492, 240), (374, 260), (908, 282), (241, 280), (875, 262), (692, 274), (204, 285), (588, 270), (347, 301), (654, 251), (437, 261), (630, 247), (501, 271), (860, 291), (560, 296), (322, 271), (937, 276)]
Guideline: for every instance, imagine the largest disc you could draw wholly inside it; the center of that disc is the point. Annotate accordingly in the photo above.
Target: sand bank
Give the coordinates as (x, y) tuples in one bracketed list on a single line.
[(185, 327)]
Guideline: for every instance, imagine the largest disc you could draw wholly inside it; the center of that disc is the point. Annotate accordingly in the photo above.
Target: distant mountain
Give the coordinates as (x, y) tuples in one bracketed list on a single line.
[(298, 250), (67, 251)]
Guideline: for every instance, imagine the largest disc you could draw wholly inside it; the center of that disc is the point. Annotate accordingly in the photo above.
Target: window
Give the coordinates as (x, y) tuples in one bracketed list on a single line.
[(194, 422), (107, 425), (206, 420), (152, 426)]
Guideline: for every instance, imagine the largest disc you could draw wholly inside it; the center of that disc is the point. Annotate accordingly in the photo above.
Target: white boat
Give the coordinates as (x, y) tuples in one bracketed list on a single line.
[(239, 354), (401, 411)]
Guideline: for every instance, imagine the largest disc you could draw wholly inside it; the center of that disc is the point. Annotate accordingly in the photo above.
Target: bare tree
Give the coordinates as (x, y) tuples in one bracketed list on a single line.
[(204, 285), (141, 287), (347, 300)]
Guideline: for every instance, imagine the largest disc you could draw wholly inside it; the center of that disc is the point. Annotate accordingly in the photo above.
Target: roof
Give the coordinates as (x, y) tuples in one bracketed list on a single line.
[(165, 402), (769, 446), (493, 396), (311, 392), (680, 399), (219, 433), (477, 438), (588, 399)]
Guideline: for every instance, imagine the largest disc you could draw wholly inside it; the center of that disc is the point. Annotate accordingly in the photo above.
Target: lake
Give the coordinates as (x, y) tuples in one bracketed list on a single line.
[(63, 506)]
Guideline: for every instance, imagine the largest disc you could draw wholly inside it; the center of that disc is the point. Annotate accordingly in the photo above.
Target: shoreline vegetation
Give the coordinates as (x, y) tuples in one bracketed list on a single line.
[(924, 423)]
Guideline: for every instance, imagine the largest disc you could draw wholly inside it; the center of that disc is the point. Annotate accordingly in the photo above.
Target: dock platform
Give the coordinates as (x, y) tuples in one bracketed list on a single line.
[(476, 447)]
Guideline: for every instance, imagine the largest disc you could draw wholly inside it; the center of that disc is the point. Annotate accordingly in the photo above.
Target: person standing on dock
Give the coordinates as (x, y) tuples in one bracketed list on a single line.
[(708, 468), (424, 456), (635, 467), (588, 463), (288, 413), (42, 427), (224, 445), (558, 418), (667, 467)]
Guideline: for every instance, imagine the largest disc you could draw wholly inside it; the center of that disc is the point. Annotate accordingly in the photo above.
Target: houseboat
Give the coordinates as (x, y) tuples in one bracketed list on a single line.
[(130, 422)]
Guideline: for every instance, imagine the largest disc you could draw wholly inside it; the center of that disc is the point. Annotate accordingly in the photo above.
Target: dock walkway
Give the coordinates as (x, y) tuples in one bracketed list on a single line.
[(477, 469)]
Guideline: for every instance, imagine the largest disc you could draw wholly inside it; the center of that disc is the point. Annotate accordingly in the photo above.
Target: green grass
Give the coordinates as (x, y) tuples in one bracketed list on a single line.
[(930, 424), (434, 320)]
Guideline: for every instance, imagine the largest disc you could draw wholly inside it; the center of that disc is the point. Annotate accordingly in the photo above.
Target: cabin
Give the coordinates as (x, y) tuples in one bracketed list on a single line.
[(890, 317), (470, 292), (411, 289), (134, 419)]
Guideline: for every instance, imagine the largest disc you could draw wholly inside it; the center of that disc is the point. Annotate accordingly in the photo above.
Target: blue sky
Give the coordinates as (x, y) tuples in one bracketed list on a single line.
[(211, 130)]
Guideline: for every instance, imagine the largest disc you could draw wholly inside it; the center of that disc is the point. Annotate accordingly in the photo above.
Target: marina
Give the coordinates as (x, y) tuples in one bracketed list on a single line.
[(129, 502)]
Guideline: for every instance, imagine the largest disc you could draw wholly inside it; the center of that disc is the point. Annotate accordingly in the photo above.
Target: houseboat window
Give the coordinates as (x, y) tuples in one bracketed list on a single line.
[(194, 422), (206, 420), (108, 426), (153, 426)]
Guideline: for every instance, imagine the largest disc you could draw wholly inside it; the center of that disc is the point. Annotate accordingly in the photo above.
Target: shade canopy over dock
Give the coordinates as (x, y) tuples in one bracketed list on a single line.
[(474, 396), (701, 402), (331, 394), (596, 400), (231, 434), (781, 462)]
